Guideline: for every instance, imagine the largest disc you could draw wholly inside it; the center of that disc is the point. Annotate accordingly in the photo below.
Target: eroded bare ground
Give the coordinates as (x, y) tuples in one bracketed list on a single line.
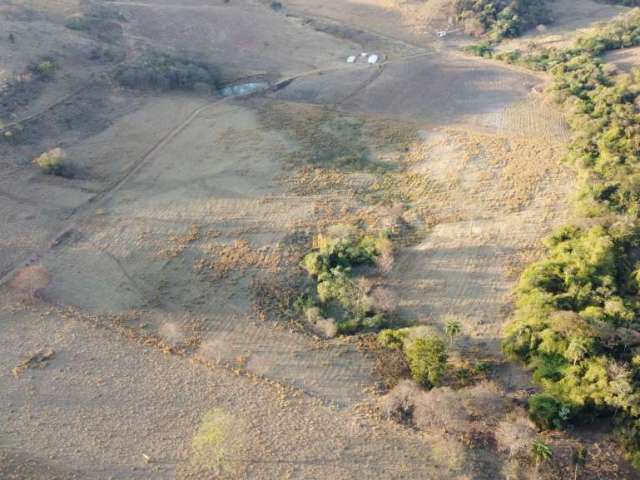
[(150, 275)]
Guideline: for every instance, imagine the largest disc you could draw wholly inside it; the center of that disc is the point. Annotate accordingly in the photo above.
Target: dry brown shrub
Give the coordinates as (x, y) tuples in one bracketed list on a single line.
[(30, 280), (441, 409), (365, 284), (516, 436), (484, 400), (473, 27), (326, 327), (392, 366), (172, 333), (399, 403), (239, 256), (180, 242)]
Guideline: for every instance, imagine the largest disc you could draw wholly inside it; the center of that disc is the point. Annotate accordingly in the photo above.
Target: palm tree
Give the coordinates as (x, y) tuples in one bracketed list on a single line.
[(452, 329), (541, 453)]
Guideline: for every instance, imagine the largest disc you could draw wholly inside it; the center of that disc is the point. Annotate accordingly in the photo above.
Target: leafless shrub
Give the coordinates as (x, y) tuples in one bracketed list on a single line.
[(385, 299), (326, 327), (365, 284), (516, 436), (399, 403), (441, 409)]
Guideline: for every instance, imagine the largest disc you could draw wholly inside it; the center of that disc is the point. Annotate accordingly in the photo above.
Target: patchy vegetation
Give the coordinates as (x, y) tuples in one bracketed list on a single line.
[(498, 19), (341, 293), (45, 69), (99, 21), (218, 441), (162, 71), (53, 162), (425, 355)]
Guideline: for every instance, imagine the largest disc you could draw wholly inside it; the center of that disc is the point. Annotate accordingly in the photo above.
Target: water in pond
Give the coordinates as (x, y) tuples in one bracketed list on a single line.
[(243, 89)]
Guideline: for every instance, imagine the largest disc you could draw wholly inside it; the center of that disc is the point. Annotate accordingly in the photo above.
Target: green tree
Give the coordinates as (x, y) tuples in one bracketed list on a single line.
[(427, 358)]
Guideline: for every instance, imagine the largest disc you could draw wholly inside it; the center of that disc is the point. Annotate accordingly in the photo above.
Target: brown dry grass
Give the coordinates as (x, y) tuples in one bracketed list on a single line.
[(239, 256)]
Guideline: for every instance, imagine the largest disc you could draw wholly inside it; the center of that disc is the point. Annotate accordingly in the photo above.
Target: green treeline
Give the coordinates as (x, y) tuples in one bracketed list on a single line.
[(501, 18), (577, 323)]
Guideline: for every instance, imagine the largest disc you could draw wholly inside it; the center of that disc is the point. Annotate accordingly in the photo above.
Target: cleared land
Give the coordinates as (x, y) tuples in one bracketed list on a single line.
[(162, 261)]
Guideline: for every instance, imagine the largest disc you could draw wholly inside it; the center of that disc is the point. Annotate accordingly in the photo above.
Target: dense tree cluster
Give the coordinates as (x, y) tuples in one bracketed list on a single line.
[(426, 355), (501, 18), (331, 265), (577, 323), (166, 72)]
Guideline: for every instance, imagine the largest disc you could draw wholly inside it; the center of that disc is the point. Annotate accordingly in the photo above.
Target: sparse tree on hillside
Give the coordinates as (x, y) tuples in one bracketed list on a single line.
[(452, 329)]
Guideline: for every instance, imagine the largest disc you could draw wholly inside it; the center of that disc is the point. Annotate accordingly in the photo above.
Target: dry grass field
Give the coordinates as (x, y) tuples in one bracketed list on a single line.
[(155, 278)]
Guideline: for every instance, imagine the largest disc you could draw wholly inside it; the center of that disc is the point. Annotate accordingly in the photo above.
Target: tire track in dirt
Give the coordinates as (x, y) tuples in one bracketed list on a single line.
[(92, 78), (71, 222), (81, 212)]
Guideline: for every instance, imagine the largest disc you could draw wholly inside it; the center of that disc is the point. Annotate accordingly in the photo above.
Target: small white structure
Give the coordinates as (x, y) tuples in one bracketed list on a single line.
[(364, 54), (372, 59), (442, 34), (351, 59)]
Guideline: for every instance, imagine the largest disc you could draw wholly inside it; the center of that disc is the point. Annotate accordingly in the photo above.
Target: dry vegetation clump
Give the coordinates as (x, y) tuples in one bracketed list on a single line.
[(485, 401), (510, 159), (453, 455), (399, 403), (275, 297), (180, 242), (385, 299), (474, 429), (444, 409), (239, 256), (441, 409), (31, 280), (311, 180), (326, 138), (401, 187)]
